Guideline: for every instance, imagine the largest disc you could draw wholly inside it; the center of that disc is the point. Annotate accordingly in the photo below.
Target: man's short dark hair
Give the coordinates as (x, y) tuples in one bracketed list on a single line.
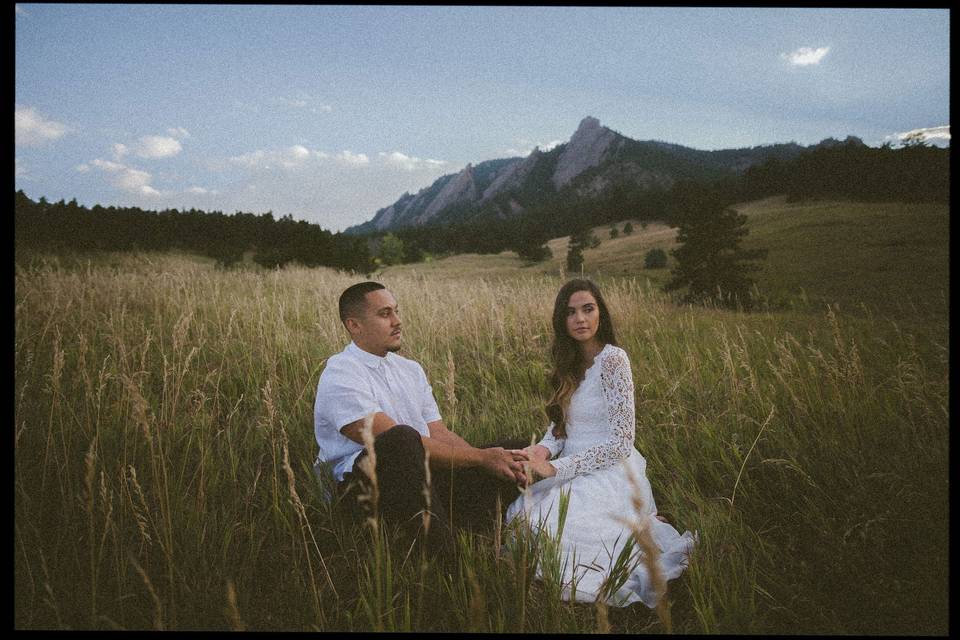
[(353, 299)]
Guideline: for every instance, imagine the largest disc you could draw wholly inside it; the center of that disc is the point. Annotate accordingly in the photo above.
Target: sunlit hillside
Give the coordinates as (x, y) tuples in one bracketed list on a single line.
[(883, 255)]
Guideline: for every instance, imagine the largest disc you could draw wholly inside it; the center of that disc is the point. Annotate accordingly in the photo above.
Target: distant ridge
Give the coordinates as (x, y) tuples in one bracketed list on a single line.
[(595, 160)]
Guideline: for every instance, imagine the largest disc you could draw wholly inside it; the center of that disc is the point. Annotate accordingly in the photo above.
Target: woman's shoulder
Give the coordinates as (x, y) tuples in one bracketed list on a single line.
[(613, 359), (613, 354)]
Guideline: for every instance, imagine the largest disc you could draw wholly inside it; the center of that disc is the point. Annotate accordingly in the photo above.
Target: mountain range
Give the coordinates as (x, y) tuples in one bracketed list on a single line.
[(595, 161)]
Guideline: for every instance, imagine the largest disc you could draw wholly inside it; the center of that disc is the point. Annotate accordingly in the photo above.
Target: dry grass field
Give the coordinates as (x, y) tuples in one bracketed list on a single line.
[(164, 440)]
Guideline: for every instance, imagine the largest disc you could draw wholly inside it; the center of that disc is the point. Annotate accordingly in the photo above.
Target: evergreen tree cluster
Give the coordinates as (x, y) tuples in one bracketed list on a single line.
[(913, 173), (68, 227)]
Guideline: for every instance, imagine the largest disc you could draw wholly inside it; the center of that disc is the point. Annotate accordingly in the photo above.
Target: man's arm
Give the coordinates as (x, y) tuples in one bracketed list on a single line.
[(440, 433), (495, 460), (354, 430)]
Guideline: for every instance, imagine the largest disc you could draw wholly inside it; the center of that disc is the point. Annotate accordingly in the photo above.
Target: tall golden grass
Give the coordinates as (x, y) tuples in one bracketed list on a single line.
[(164, 443)]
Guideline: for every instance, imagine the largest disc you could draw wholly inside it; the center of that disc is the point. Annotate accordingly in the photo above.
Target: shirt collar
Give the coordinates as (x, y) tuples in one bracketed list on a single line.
[(371, 360)]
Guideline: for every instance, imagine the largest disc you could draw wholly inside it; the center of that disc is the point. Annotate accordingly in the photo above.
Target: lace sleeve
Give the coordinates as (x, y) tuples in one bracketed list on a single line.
[(553, 444), (616, 383)]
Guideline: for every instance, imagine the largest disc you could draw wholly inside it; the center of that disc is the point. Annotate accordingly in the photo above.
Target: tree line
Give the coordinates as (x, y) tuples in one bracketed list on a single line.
[(68, 227), (914, 173)]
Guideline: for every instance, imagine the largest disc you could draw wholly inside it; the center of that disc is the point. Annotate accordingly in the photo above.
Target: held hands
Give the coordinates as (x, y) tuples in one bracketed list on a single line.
[(539, 466), (513, 464), (506, 463), (537, 452)]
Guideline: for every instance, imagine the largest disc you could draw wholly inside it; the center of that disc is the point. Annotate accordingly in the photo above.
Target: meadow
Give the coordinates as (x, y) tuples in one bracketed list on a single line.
[(164, 443)]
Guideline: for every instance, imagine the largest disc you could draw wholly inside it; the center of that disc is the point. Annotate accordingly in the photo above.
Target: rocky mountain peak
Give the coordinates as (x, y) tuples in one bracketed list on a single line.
[(462, 188), (586, 125), (587, 148)]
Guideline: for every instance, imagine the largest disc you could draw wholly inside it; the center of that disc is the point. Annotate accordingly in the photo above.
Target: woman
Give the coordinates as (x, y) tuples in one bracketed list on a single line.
[(586, 452)]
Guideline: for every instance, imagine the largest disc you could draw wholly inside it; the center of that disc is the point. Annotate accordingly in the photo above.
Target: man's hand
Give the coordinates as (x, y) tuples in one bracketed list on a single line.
[(537, 453), (503, 463)]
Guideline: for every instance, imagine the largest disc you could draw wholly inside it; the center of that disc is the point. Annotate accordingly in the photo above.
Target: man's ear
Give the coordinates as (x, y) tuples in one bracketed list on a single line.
[(353, 326)]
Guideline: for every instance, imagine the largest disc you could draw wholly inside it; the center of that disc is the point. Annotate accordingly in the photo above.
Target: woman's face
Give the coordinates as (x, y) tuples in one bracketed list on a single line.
[(583, 316)]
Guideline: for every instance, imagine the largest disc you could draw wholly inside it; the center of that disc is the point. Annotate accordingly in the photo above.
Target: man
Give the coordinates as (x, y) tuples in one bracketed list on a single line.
[(367, 382)]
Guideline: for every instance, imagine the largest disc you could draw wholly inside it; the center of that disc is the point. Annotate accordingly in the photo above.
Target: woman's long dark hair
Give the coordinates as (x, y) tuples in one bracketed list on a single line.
[(568, 363)]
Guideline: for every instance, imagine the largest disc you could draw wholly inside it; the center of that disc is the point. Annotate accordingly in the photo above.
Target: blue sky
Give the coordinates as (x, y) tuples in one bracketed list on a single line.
[(329, 113)]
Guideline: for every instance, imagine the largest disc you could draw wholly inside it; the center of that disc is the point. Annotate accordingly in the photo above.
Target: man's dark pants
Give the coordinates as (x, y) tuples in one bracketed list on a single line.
[(459, 498)]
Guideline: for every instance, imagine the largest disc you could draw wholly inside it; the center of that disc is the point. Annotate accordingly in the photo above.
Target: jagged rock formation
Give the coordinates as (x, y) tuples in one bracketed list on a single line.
[(587, 148), (594, 160)]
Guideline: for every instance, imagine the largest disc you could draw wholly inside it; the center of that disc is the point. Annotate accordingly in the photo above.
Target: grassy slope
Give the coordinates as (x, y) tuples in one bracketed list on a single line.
[(881, 254)]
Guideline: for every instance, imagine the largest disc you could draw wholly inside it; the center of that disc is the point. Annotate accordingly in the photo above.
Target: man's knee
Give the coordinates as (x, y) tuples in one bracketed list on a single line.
[(399, 445), (400, 436)]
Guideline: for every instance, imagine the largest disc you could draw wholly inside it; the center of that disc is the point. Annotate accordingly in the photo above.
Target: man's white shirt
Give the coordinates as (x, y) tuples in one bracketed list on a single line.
[(356, 383)]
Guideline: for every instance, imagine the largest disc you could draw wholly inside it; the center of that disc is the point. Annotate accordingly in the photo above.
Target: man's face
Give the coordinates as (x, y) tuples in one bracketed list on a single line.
[(377, 329)]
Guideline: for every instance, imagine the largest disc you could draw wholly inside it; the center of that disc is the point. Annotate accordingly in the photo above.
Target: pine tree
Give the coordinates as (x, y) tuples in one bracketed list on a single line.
[(709, 260), (579, 240)]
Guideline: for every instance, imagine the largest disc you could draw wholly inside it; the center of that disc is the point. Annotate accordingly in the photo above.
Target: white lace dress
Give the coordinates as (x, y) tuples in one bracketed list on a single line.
[(590, 466)]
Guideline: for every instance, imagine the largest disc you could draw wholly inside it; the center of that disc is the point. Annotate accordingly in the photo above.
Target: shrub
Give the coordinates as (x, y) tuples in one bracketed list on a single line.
[(535, 253), (655, 259)]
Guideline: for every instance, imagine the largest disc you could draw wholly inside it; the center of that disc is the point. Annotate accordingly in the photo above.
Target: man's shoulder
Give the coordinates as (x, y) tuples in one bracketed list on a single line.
[(340, 363), (406, 363)]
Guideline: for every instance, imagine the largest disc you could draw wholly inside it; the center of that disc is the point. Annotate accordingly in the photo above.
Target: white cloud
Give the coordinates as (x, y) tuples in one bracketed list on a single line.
[(298, 152), (133, 179), (201, 191), (289, 157), (126, 178), (929, 133), (525, 147), (304, 102), (353, 159), (178, 132), (82, 168), (120, 150), (250, 159), (805, 56), (157, 147), (106, 165), (409, 163), (32, 129), (19, 10)]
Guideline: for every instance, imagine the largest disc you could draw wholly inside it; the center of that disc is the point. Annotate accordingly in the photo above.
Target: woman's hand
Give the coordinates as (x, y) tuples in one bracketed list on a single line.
[(535, 463), (537, 453), (540, 469)]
